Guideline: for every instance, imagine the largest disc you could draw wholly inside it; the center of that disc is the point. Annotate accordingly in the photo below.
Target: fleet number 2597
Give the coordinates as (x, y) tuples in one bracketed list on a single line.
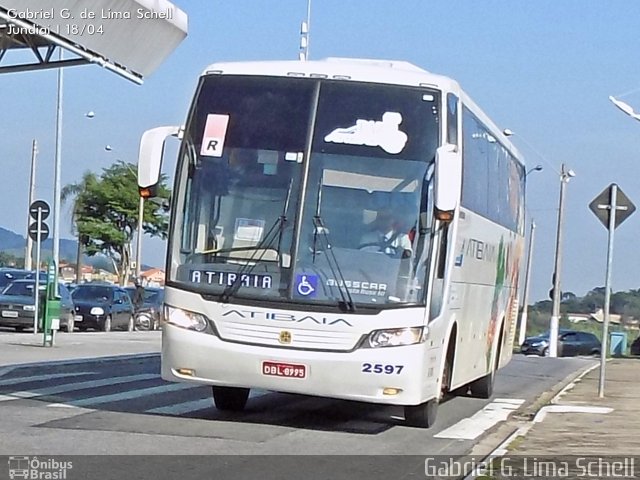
[(380, 368)]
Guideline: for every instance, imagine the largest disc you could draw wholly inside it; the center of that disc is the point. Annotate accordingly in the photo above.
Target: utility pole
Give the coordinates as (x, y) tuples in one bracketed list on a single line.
[(565, 175), (28, 252)]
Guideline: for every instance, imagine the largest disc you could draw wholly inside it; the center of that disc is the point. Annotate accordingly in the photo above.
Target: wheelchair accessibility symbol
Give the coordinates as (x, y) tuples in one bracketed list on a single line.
[(306, 285)]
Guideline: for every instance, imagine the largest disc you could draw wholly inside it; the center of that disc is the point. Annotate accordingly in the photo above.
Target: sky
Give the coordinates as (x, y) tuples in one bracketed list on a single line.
[(543, 69)]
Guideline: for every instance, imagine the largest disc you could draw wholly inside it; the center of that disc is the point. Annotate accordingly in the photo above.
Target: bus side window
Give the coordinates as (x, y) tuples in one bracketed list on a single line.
[(452, 119), (442, 252)]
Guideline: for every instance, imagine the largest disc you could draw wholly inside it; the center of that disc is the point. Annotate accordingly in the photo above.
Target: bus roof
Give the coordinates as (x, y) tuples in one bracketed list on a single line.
[(358, 69), (392, 72)]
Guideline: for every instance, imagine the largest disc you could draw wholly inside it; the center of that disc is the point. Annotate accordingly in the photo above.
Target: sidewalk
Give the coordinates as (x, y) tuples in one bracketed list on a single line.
[(576, 423), (577, 434), (25, 348)]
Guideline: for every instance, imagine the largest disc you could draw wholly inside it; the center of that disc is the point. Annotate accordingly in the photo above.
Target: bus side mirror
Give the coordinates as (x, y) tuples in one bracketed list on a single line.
[(448, 182), (150, 157)]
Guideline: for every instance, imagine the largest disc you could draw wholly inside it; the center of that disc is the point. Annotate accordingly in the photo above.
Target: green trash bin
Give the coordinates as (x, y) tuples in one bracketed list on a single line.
[(51, 307), (618, 344)]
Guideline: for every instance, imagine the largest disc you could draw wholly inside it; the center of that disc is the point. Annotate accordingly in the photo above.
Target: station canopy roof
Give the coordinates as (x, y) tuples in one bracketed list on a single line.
[(129, 37)]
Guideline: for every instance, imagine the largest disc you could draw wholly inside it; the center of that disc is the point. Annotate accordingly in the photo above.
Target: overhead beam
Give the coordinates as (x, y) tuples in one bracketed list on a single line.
[(28, 67), (134, 38)]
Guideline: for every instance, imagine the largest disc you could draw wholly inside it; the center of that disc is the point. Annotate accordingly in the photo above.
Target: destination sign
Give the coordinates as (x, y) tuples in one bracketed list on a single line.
[(226, 279)]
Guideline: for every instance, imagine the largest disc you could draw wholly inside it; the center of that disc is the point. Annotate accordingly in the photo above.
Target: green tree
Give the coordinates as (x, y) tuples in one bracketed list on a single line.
[(106, 213), (77, 192), (594, 300)]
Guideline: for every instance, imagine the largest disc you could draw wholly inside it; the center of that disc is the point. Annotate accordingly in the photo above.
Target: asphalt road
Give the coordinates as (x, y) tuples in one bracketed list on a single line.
[(120, 406), (123, 407)]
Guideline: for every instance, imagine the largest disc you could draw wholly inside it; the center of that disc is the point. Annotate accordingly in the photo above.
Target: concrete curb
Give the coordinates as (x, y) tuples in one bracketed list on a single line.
[(553, 394), (74, 361), (572, 383), (557, 392)]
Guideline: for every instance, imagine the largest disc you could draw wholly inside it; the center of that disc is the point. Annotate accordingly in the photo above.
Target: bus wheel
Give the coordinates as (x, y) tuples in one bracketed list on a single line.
[(483, 387), (423, 415), (230, 398)]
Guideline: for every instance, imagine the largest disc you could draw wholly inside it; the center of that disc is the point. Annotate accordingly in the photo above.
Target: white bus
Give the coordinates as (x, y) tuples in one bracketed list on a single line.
[(341, 228)]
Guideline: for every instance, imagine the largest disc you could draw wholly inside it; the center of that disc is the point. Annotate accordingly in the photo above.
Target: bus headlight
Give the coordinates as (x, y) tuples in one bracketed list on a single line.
[(185, 319), (394, 337)]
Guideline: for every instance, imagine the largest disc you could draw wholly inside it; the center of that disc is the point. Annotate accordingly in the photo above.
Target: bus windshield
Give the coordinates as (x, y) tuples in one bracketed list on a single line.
[(306, 190)]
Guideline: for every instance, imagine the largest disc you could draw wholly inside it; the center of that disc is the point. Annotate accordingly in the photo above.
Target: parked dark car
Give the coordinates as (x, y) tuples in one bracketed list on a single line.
[(44, 276), (149, 316), (8, 275), (634, 349), (570, 344), (17, 305), (102, 307)]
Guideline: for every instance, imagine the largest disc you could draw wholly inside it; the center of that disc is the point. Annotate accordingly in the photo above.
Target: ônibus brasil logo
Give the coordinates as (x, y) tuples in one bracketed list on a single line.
[(34, 468)]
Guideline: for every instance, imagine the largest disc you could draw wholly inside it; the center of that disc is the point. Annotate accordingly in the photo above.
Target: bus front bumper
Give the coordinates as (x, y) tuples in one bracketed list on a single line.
[(405, 375)]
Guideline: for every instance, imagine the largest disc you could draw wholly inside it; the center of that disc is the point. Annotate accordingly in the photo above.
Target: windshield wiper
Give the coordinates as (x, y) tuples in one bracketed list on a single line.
[(249, 248), (262, 247), (265, 244), (320, 231)]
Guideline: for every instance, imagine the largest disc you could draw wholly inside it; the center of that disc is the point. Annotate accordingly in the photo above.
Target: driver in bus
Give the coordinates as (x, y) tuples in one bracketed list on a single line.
[(386, 236)]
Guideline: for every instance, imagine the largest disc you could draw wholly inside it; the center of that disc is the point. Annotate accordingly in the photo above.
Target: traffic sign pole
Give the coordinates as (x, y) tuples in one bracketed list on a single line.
[(38, 231), (37, 286), (607, 287), (612, 207)]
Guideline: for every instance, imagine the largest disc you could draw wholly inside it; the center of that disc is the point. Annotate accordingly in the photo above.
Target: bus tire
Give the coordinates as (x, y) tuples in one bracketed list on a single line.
[(230, 398), (423, 415), (483, 387)]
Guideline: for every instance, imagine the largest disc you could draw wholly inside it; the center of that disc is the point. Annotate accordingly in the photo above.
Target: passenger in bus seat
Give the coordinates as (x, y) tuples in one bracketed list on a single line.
[(386, 236)]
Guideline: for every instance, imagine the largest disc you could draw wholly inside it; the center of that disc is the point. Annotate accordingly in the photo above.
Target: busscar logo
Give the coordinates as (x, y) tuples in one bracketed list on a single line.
[(37, 468)]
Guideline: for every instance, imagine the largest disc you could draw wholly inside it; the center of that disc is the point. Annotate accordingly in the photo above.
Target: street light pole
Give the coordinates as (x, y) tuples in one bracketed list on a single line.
[(57, 172), (527, 278), (28, 252), (625, 107), (565, 175)]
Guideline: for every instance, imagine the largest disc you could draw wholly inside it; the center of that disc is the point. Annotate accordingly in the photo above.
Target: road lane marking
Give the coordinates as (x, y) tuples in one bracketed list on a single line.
[(128, 395), (39, 378), (542, 413), (474, 426), (70, 387), (182, 408)]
